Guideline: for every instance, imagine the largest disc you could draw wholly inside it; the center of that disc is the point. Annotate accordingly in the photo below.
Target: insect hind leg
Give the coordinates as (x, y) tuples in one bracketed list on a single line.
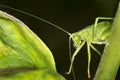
[(96, 21)]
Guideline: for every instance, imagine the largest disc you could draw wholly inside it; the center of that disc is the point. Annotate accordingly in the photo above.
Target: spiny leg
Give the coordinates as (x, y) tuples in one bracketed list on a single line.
[(96, 21), (73, 57), (89, 59)]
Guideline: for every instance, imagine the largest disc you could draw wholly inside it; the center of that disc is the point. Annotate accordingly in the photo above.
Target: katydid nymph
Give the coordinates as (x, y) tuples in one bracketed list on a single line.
[(97, 33)]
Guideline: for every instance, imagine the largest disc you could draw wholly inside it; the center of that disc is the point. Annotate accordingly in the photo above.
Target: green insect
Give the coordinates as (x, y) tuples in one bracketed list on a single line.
[(97, 33)]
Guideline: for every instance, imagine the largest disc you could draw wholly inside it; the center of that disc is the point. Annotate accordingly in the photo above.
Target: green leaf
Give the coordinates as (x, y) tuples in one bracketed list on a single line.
[(21, 48), (43, 74)]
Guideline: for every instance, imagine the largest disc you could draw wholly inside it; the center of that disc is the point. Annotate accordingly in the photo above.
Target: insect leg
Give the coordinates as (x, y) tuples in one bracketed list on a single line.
[(99, 53), (96, 21), (89, 59), (73, 57)]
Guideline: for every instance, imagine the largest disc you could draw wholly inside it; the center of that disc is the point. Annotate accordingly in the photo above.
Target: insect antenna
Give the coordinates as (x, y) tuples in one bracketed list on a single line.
[(70, 55), (36, 18)]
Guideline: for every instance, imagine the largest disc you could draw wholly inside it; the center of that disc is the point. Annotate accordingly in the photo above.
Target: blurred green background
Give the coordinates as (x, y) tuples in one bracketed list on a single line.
[(71, 15)]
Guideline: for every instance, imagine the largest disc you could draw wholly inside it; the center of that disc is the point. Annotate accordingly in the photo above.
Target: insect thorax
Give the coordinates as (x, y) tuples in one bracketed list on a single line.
[(101, 34)]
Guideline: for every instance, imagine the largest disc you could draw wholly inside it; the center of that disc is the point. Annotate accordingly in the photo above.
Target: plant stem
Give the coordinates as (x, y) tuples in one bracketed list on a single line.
[(110, 60)]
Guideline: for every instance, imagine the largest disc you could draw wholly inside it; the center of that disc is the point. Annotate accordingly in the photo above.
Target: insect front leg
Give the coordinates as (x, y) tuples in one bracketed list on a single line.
[(73, 57), (73, 72), (95, 24)]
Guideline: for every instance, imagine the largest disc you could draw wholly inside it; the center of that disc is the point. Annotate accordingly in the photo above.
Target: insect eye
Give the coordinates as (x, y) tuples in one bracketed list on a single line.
[(76, 40)]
